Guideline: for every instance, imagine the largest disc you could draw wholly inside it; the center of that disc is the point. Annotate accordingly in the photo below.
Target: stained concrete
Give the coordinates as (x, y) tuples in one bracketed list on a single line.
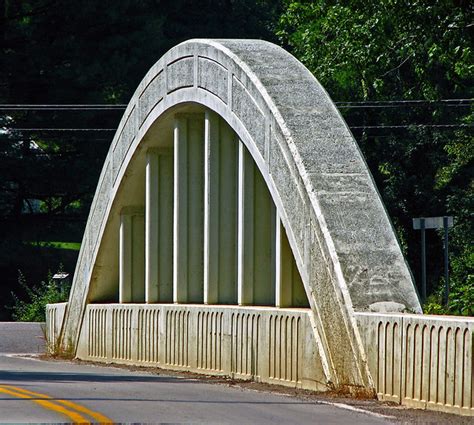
[(338, 230)]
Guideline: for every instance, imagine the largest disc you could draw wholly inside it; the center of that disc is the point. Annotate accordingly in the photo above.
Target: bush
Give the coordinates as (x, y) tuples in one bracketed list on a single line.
[(461, 293), (34, 308)]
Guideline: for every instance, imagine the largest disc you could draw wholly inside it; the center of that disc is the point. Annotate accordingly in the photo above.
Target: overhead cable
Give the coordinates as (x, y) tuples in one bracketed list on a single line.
[(361, 127)]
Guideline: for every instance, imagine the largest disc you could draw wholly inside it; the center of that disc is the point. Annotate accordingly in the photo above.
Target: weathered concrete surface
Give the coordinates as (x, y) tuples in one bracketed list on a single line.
[(54, 323), (22, 337), (266, 344), (421, 361), (342, 239)]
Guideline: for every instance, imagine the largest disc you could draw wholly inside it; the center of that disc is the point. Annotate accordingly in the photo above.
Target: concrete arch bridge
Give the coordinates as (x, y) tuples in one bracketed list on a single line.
[(236, 230)]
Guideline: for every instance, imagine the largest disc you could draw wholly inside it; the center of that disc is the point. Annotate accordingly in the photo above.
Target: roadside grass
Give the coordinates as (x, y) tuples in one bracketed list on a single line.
[(56, 350)]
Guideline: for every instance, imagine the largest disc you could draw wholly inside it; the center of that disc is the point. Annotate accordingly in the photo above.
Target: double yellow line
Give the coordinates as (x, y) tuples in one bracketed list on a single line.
[(71, 410)]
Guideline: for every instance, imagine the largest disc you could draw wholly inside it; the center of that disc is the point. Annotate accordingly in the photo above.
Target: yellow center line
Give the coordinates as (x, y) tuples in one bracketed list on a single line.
[(76, 418), (97, 416)]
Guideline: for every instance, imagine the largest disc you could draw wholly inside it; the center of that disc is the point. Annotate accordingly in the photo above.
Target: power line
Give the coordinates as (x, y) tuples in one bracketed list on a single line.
[(406, 102), (345, 104), (352, 127), (363, 127), (52, 138), (341, 106), (62, 129), (62, 107)]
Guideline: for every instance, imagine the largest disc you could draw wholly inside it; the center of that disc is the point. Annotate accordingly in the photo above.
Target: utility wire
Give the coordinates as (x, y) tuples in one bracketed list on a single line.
[(361, 127), (71, 107), (52, 138), (406, 102), (345, 104), (352, 127), (62, 129)]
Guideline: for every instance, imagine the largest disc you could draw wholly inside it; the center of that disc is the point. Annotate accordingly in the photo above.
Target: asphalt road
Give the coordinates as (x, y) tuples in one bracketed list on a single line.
[(33, 390), (22, 337), (43, 391)]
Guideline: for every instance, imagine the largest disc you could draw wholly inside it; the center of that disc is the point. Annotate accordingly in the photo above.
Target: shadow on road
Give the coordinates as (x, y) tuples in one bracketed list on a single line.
[(6, 375), (167, 400)]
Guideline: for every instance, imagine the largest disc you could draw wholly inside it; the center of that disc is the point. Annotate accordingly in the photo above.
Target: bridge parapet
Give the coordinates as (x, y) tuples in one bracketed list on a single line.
[(421, 361), (266, 344), (54, 322)]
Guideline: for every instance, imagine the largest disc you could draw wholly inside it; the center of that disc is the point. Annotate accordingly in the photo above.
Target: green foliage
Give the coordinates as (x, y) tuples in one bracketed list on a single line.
[(90, 52), (384, 48), (34, 308), (372, 50), (379, 50), (461, 295)]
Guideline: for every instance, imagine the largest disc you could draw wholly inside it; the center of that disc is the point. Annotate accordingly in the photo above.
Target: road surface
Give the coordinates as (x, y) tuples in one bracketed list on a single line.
[(42, 391), (34, 390)]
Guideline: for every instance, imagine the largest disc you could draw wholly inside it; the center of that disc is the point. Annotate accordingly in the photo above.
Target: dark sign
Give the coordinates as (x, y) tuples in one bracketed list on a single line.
[(432, 222)]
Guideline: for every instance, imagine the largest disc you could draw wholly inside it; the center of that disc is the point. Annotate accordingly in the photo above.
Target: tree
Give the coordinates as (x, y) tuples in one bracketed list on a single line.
[(386, 50), (90, 52)]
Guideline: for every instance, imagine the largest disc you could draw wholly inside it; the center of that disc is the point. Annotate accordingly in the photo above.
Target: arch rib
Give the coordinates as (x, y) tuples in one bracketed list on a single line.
[(338, 230)]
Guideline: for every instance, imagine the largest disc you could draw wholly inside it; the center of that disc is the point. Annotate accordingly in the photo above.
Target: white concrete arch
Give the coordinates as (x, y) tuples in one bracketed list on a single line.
[(338, 230)]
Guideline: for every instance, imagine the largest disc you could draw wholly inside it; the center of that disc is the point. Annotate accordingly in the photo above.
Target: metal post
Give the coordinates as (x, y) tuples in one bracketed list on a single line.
[(423, 260), (446, 262), (423, 223)]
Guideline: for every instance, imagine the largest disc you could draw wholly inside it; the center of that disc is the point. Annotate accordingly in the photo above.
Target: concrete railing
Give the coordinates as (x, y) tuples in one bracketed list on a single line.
[(54, 321), (263, 343), (421, 361)]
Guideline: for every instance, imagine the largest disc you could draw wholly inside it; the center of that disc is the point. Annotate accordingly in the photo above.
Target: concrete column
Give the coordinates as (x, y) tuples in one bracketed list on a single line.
[(188, 216), (159, 226), (298, 292), (283, 276), (256, 235), (151, 227), (125, 266), (132, 255), (245, 226), (220, 212), (180, 191), (264, 243), (289, 287), (228, 215), (211, 208)]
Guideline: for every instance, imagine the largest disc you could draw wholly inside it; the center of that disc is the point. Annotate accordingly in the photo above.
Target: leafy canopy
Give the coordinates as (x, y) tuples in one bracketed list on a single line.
[(385, 50)]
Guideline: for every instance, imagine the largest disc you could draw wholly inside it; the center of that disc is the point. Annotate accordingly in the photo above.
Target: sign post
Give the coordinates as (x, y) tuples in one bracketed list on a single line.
[(446, 268), (423, 223), (423, 259)]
